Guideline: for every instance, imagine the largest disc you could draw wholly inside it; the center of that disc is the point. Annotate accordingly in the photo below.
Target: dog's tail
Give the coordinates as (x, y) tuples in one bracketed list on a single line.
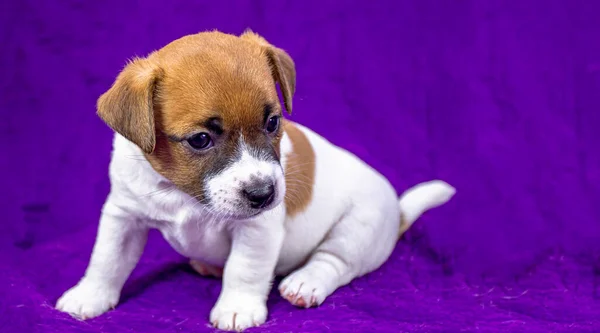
[(420, 198)]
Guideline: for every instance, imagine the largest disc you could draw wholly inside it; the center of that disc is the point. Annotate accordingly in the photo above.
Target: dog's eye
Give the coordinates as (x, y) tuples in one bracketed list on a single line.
[(200, 141), (272, 124)]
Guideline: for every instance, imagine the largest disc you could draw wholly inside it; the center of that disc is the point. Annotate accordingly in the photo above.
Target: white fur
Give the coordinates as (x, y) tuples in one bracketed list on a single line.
[(349, 229)]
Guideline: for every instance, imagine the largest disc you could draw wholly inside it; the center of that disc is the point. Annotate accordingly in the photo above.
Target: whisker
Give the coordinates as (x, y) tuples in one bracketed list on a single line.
[(299, 164), (159, 191), (303, 178), (298, 182)]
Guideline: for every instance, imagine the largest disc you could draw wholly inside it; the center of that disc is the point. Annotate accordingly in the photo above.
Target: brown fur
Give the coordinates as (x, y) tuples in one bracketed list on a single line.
[(128, 106), (300, 171), (158, 101)]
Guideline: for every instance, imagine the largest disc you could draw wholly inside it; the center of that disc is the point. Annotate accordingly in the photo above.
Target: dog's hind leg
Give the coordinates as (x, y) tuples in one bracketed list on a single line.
[(361, 242), (358, 244)]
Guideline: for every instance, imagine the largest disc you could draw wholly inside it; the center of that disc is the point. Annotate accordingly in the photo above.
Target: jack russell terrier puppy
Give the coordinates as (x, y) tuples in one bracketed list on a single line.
[(202, 153)]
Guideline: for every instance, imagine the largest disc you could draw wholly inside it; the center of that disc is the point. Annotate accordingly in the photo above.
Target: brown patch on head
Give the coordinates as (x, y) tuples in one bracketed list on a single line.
[(210, 82), (282, 66), (299, 171)]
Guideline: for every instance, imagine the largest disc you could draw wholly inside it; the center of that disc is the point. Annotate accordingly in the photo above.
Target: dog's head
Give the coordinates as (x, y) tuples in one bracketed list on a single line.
[(205, 111)]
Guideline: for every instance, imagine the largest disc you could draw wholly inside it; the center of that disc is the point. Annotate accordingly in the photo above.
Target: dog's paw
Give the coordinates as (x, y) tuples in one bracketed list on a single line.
[(206, 270), (87, 300), (303, 289), (238, 312)]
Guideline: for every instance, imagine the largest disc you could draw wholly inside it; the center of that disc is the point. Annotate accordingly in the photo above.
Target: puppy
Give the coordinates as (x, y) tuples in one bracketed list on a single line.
[(203, 154)]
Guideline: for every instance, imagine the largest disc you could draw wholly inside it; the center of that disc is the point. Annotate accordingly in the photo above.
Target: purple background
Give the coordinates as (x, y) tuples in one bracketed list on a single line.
[(499, 98)]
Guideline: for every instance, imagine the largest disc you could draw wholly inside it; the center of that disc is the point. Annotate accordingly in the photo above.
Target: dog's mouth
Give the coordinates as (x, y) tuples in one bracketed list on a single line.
[(251, 215), (245, 201), (239, 211)]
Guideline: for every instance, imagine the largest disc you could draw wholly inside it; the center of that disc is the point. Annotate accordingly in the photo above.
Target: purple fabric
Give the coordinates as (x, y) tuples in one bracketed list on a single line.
[(499, 98)]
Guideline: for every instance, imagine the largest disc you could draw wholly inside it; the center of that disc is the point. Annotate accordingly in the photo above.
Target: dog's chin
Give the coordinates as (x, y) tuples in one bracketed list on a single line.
[(234, 215)]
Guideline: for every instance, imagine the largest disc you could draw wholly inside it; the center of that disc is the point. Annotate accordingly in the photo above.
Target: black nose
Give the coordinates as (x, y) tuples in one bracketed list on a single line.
[(260, 195)]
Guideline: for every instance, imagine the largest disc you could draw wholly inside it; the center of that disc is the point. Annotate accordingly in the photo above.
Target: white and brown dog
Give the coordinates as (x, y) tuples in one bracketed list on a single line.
[(234, 186)]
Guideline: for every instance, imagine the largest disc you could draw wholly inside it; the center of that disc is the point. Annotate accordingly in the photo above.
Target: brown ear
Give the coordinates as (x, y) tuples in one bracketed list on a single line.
[(127, 107), (282, 65), (284, 72)]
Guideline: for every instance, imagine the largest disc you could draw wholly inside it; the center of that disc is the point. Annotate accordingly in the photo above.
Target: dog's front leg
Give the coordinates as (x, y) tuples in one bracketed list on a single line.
[(119, 245), (248, 273)]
